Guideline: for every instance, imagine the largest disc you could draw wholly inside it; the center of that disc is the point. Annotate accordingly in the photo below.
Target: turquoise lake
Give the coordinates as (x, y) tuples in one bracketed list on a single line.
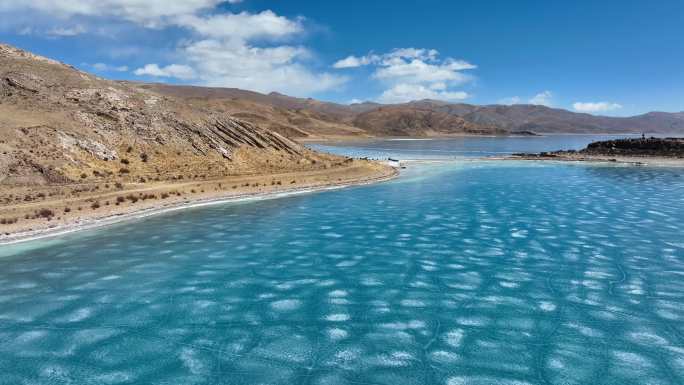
[(459, 272)]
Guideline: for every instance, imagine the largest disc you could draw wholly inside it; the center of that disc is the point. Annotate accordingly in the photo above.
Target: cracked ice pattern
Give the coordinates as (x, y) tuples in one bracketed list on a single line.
[(473, 273)]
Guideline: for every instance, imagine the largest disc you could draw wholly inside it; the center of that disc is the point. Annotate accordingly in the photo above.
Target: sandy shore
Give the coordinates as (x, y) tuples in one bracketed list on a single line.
[(201, 193), (627, 160)]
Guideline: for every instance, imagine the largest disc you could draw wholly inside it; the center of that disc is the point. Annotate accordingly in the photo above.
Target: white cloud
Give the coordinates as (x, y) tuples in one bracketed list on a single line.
[(56, 31), (353, 62), (216, 47), (67, 31), (402, 93), (510, 101), (596, 107), (242, 26), (236, 64), (418, 71), (148, 12), (414, 73), (178, 71), (102, 67), (544, 98)]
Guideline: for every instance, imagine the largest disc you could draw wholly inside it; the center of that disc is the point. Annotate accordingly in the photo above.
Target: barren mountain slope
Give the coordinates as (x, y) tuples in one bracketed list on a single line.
[(324, 119), (542, 119), (75, 146), (309, 118), (289, 116), (408, 121), (63, 125)]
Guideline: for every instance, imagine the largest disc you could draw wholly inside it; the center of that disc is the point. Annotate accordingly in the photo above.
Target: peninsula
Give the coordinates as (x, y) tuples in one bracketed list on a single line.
[(639, 151)]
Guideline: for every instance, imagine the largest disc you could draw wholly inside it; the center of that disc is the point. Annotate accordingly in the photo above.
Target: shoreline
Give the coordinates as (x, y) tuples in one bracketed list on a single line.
[(357, 139), (162, 208), (635, 161), (352, 139), (103, 221)]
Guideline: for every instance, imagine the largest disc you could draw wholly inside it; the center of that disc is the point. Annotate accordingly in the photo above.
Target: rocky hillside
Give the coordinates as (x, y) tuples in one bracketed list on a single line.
[(309, 118), (663, 147), (37, 91), (291, 117), (62, 125), (407, 121)]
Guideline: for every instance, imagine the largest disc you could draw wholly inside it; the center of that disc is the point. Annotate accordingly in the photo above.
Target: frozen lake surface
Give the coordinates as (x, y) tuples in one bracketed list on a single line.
[(464, 272)]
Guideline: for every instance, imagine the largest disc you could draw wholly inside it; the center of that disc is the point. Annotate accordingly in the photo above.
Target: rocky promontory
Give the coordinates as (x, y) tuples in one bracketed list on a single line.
[(642, 150), (663, 147)]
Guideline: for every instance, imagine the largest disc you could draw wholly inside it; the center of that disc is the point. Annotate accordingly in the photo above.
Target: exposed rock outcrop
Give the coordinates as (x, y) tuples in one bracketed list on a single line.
[(619, 148), (662, 147), (59, 124)]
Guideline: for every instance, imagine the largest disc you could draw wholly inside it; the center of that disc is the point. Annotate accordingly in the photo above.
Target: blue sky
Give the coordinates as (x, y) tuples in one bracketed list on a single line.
[(605, 57)]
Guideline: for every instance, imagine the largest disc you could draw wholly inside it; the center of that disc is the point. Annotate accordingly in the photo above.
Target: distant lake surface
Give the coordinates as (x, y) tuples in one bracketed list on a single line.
[(460, 272), (469, 146)]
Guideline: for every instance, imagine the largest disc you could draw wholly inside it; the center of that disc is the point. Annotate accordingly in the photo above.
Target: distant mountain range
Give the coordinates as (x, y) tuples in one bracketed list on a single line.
[(59, 124), (306, 117), (29, 81)]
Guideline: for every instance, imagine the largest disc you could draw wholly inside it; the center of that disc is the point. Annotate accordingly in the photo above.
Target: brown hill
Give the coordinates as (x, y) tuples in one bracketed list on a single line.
[(292, 117), (63, 125), (417, 122), (312, 119), (308, 118), (542, 119), (75, 147)]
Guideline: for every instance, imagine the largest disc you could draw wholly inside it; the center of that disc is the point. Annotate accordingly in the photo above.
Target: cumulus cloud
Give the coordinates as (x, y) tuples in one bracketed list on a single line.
[(102, 67), (414, 73), (403, 93), (148, 12), (243, 26), (66, 31), (596, 107), (419, 71), (353, 62), (263, 69), (227, 55), (177, 71), (51, 31), (216, 47), (544, 98), (511, 101)]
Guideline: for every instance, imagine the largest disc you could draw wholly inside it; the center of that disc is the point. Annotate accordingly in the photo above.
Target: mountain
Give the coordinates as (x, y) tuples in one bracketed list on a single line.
[(78, 149), (542, 119), (311, 119), (289, 116), (62, 125), (63, 93), (413, 121), (308, 118)]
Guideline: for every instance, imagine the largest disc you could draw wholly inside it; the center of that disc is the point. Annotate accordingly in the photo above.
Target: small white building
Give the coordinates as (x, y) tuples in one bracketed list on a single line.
[(394, 162)]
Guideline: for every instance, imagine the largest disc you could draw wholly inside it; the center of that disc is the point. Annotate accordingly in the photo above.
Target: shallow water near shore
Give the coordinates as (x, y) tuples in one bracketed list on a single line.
[(463, 272)]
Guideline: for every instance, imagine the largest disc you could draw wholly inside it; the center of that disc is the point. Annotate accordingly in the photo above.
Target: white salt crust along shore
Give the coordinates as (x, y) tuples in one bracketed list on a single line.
[(92, 223), (622, 160)]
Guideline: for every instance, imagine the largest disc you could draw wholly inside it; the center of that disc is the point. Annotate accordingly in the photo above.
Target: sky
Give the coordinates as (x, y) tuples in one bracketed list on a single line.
[(608, 57)]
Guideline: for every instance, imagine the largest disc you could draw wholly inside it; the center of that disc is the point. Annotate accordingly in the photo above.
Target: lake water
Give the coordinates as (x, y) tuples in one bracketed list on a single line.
[(456, 148), (462, 272)]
